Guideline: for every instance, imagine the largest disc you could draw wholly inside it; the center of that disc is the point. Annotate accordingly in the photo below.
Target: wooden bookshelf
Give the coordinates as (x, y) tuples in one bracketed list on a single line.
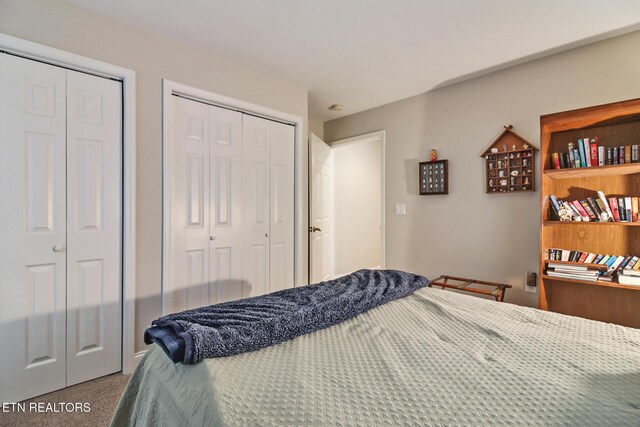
[(614, 125)]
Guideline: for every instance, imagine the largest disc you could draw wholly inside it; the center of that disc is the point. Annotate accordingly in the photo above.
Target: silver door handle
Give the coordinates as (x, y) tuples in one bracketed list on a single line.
[(58, 248), (212, 237), (314, 229), (266, 234)]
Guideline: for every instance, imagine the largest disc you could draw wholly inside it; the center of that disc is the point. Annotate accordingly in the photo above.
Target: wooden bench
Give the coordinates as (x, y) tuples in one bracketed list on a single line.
[(498, 289)]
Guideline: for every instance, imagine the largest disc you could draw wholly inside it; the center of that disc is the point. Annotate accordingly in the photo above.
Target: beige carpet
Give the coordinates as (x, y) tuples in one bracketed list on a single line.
[(102, 394)]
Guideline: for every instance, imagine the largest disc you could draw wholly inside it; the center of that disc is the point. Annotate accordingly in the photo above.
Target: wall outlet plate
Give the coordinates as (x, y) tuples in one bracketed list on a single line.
[(531, 282), (401, 209)]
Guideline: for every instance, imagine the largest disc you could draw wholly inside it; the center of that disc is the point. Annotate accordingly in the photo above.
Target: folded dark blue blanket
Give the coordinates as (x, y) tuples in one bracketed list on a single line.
[(250, 324)]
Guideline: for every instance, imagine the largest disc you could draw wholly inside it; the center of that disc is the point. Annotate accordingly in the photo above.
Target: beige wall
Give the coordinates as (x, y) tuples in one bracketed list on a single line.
[(316, 127), (468, 232), (62, 25), (357, 195)]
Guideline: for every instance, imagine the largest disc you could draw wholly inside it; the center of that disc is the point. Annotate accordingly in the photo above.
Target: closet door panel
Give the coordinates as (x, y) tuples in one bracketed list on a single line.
[(256, 198), (281, 207), (225, 213), (94, 212), (188, 284), (33, 229)]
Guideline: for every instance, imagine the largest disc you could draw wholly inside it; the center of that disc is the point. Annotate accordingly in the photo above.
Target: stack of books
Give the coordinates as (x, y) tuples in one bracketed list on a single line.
[(587, 153), (570, 271), (605, 267), (598, 208), (629, 277)]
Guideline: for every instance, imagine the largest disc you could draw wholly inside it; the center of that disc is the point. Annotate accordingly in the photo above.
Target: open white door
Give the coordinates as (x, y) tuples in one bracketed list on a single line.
[(321, 215)]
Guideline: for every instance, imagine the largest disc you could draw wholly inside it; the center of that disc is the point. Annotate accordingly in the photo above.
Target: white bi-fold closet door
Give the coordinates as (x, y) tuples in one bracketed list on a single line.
[(60, 187), (231, 212)]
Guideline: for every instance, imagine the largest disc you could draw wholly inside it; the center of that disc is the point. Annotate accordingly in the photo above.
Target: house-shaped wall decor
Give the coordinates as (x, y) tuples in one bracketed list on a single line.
[(510, 164)]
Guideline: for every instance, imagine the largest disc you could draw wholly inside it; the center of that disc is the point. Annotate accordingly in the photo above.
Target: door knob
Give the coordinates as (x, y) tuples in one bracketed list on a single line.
[(266, 234), (314, 229), (58, 248), (212, 237)]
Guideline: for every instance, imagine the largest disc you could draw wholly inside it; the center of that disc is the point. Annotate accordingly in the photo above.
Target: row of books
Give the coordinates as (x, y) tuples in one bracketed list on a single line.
[(596, 266), (599, 209), (587, 153)]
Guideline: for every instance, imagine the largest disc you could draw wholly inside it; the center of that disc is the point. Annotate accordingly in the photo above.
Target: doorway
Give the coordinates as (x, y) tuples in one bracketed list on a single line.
[(346, 212)]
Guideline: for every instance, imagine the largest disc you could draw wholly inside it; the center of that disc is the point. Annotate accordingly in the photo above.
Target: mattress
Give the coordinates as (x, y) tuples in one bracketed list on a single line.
[(432, 358)]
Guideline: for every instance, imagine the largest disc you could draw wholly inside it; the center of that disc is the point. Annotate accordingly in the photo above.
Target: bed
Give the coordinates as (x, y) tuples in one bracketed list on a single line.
[(431, 358)]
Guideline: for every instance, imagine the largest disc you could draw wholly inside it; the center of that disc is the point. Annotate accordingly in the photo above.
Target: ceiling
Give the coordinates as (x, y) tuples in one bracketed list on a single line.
[(366, 53)]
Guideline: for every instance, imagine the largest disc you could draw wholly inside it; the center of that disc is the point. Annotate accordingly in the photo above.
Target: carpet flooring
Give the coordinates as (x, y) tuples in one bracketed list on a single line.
[(102, 394)]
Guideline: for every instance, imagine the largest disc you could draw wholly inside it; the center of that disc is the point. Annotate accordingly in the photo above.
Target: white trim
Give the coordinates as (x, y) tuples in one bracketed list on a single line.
[(366, 137), (169, 88), (61, 58)]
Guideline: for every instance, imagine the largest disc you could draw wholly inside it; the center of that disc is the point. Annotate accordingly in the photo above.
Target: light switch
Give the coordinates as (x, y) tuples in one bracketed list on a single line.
[(401, 209)]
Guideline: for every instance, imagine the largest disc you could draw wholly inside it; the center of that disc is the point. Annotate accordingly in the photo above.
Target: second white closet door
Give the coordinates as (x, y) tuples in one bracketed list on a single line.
[(225, 271), (268, 161), (94, 123), (205, 241)]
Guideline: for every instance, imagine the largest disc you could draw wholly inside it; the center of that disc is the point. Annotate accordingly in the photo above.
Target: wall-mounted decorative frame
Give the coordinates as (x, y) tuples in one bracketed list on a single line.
[(434, 177), (510, 164)]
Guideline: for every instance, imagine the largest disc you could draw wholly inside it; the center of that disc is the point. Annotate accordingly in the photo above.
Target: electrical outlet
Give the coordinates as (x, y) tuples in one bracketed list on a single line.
[(401, 209), (531, 282)]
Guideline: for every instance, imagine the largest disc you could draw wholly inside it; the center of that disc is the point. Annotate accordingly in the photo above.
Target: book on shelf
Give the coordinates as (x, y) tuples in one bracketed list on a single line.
[(622, 210), (571, 155), (590, 257), (630, 272), (594, 152), (627, 279), (613, 202), (583, 157), (627, 155), (604, 201), (571, 275), (601, 156)]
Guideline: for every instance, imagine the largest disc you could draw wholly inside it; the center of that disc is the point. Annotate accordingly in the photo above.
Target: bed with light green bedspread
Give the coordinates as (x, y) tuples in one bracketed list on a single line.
[(432, 358)]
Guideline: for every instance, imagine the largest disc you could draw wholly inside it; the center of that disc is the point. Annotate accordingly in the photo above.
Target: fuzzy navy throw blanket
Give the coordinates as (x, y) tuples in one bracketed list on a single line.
[(250, 324)]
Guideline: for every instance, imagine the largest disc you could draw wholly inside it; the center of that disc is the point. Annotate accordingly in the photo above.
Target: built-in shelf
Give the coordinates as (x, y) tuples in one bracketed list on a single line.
[(594, 283), (611, 170), (615, 224)]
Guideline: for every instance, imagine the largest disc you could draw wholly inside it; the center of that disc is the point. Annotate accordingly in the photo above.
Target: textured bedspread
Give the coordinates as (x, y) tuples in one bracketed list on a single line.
[(432, 358), (251, 324)]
